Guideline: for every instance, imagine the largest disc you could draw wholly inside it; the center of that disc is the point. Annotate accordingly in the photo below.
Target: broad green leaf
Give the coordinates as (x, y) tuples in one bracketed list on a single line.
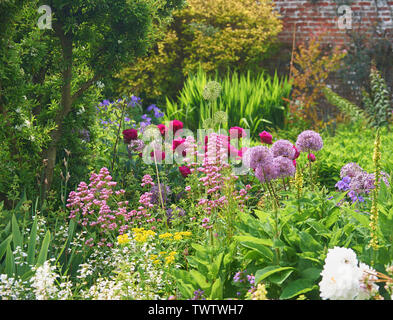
[(9, 262), (4, 244), (217, 290), (199, 279), (261, 249), (268, 271), (16, 235), (44, 250), (296, 288), (251, 239)]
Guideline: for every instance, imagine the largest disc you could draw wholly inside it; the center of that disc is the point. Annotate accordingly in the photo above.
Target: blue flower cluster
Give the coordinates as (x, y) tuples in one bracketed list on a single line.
[(344, 185)]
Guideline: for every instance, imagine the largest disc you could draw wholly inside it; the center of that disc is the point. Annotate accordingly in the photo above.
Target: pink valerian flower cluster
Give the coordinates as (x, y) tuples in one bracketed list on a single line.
[(214, 175), (147, 180), (100, 209), (91, 205)]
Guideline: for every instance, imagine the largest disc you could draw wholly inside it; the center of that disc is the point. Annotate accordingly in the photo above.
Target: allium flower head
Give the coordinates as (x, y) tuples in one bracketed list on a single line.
[(284, 167), (165, 193), (309, 140), (211, 91), (363, 182), (267, 172), (283, 148), (259, 156), (350, 170)]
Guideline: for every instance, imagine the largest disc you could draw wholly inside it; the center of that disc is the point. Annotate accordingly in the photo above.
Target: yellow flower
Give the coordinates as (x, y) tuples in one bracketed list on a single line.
[(123, 239), (165, 235), (177, 237), (185, 233), (153, 257), (170, 258), (156, 261), (142, 235)]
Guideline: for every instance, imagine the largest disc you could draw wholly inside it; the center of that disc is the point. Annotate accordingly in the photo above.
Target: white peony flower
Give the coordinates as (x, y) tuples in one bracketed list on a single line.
[(340, 275)]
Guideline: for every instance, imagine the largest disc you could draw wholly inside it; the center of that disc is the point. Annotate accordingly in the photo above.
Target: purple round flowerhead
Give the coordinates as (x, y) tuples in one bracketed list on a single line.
[(309, 140), (362, 183), (350, 170), (267, 172), (284, 167), (283, 148), (259, 156)]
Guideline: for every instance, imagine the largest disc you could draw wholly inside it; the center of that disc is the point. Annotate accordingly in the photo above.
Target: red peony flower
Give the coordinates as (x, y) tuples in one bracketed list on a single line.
[(177, 143), (266, 137), (163, 129), (176, 125), (130, 134), (185, 171), (237, 132)]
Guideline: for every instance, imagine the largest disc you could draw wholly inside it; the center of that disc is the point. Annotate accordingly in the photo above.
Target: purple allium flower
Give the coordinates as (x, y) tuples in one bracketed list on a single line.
[(350, 170), (284, 167), (267, 172), (309, 140), (362, 183), (165, 192), (260, 156), (283, 148)]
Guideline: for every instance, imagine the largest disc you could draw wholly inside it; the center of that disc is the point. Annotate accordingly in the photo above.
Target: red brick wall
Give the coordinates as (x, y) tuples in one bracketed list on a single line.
[(316, 16)]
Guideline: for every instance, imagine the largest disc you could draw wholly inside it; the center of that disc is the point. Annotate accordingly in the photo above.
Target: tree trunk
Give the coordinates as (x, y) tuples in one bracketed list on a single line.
[(66, 105)]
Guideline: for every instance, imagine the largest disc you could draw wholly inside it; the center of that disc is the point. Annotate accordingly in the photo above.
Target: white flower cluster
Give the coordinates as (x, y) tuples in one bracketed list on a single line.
[(343, 279), (11, 288), (44, 284)]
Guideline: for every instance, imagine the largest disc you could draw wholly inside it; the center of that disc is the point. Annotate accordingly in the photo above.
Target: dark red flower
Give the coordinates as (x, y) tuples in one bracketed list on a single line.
[(130, 134), (297, 153), (176, 125), (177, 143), (237, 132), (266, 137), (163, 129), (185, 171), (311, 157)]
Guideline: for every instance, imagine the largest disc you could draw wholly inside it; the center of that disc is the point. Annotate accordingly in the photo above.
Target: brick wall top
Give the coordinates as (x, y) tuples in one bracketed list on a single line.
[(315, 16)]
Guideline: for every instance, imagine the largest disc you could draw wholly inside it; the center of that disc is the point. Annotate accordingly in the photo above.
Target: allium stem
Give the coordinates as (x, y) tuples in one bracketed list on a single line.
[(311, 181)]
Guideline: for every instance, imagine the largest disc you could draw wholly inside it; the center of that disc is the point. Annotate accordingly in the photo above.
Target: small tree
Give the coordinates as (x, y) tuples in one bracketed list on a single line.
[(88, 41)]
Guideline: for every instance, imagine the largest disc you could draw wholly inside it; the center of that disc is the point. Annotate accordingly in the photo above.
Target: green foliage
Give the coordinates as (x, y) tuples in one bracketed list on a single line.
[(212, 268), (291, 264), (253, 103), (377, 102), (218, 35), (346, 107)]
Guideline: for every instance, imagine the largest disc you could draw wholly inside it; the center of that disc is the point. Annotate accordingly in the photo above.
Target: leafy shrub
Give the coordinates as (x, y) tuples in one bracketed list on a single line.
[(219, 35), (248, 102)]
